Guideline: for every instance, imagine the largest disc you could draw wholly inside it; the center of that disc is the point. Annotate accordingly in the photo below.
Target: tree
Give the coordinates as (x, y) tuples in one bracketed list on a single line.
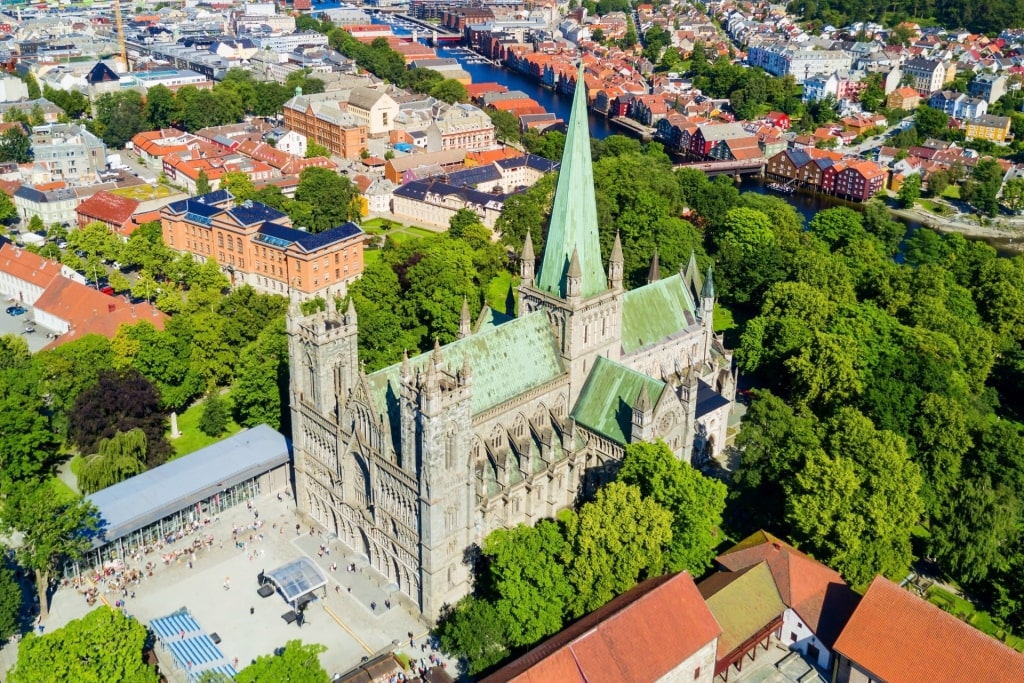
[(461, 220), (161, 109), (450, 90), (314, 149), (7, 208), (119, 402), (53, 530), (15, 146), (68, 370), (931, 123), (695, 501), (838, 226), (910, 191), (32, 85), (214, 419), (117, 458), (11, 601), (239, 184), (506, 125), (1013, 194), (119, 116), (260, 392), (611, 543), (333, 198), (473, 631), (28, 446), (296, 663), (526, 574), (104, 645), (938, 181), (202, 183)]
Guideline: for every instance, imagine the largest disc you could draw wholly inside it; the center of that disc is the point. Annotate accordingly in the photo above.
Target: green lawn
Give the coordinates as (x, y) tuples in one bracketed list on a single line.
[(62, 491), (965, 611), (933, 206), (497, 290), (952, 192), (192, 439), (724, 320)]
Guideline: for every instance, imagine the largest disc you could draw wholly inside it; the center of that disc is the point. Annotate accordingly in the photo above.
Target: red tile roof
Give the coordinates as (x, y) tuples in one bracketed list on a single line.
[(900, 638), (107, 207), (89, 311), (28, 267), (639, 636), (815, 592)]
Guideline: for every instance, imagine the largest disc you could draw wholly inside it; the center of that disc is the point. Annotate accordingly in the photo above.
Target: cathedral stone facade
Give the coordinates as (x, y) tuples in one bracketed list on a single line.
[(413, 465)]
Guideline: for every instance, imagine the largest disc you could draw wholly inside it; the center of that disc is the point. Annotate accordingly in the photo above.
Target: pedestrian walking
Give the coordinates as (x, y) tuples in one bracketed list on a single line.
[(252, 610), (373, 607)]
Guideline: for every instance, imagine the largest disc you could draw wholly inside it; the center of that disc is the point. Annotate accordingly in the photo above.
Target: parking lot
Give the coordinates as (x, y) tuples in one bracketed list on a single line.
[(18, 324), (249, 625)]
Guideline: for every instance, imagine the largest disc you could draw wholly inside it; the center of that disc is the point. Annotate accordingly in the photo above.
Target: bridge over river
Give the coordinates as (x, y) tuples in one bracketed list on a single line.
[(735, 168)]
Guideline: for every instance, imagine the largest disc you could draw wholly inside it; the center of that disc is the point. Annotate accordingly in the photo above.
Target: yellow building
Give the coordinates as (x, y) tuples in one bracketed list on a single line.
[(994, 128)]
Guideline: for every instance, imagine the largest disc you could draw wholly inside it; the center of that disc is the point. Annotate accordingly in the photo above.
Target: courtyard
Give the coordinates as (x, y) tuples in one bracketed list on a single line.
[(353, 621)]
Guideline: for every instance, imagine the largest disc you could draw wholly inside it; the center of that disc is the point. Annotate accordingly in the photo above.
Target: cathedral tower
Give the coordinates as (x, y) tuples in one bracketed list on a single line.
[(583, 305)]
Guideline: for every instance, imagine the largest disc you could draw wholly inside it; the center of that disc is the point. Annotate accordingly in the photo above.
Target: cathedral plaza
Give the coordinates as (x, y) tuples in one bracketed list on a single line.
[(342, 621)]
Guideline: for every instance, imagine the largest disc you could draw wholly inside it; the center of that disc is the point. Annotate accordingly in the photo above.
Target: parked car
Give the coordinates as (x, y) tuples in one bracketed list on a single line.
[(16, 310), (63, 244), (108, 290)]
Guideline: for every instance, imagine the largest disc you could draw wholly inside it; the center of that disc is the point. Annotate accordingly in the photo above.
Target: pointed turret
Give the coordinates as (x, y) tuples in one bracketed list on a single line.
[(464, 320), (350, 313), (654, 274), (643, 400), (615, 264), (574, 212), (691, 276), (405, 371), (435, 356), (467, 371), (708, 290), (527, 261), (642, 416), (573, 277)]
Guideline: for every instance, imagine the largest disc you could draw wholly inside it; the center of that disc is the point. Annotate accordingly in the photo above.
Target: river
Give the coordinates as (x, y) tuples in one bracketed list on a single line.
[(486, 72)]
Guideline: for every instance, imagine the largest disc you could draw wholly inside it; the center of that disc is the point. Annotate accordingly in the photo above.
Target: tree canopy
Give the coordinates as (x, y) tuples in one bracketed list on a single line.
[(297, 662)]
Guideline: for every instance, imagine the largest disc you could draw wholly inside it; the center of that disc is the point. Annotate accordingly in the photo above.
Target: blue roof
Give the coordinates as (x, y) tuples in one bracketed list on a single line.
[(193, 205), (281, 236), (418, 189), (251, 213), (149, 497)]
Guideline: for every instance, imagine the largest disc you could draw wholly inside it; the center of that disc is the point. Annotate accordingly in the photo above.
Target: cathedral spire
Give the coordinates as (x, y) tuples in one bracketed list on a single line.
[(574, 213), (528, 261), (708, 290), (654, 274), (573, 276)]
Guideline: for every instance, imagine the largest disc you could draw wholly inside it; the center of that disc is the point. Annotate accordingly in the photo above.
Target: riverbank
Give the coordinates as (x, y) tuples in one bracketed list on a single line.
[(1007, 236)]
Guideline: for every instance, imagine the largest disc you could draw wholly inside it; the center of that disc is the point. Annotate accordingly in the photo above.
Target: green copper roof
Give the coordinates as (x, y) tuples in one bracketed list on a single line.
[(606, 403), (656, 311), (574, 214), (506, 361)]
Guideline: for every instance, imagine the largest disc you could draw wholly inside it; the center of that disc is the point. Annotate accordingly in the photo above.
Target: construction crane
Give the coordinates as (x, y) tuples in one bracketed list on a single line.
[(120, 35)]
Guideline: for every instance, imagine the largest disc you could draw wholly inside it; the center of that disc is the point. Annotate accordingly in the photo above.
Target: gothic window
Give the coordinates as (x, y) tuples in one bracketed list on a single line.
[(311, 367), (496, 438)]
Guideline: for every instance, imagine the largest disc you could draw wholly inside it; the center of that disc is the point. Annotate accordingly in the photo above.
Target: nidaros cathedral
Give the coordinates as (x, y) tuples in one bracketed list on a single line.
[(415, 464)]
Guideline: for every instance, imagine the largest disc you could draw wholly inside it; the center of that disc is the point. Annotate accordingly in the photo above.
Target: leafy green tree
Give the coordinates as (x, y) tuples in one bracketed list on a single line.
[(261, 386), (450, 90), (506, 125), (461, 220), (119, 282), (473, 631), (52, 530), (68, 370), (104, 645), (119, 116), (11, 601), (161, 109), (214, 419), (333, 198), (931, 123), (15, 146), (695, 501), (910, 191), (838, 226), (1013, 194), (314, 149), (384, 331), (73, 102), (527, 576), (28, 445), (527, 212), (549, 145), (117, 458), (202, 183), (7, 208), (749, 229), (297, 663), (422, 80), (213, 356), (611, 543), (238, 184), (938, 181)]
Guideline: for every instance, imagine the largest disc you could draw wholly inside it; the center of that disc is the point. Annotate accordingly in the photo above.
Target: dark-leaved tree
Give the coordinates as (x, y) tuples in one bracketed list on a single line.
[(120, 402)]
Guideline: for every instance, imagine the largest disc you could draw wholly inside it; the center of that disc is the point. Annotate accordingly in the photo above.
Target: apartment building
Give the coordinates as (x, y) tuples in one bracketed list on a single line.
[(70, 152), (927, 75), (994, 128), (256, 245), (326, 123)]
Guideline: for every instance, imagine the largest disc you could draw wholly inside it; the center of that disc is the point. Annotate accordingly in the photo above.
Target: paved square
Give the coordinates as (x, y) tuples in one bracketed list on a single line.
[(249, 625)]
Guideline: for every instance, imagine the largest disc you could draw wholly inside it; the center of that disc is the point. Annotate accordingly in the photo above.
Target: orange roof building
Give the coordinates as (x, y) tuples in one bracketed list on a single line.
[(896, 637), (659, 630), (110, 209), (75, 310)]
